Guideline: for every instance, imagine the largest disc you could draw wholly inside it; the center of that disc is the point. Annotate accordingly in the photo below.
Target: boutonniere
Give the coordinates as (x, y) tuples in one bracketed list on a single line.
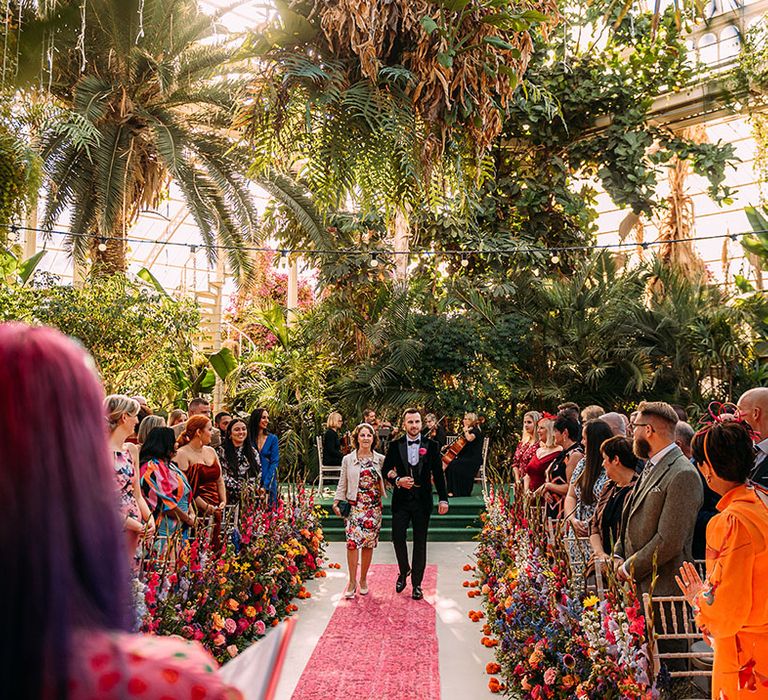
[(422, 451)]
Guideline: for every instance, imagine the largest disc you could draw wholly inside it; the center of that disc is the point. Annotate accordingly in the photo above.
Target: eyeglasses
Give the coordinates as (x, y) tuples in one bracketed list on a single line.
[(641, 425)]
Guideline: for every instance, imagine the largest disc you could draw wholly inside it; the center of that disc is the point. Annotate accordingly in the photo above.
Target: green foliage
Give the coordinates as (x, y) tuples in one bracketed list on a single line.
[(147, 90), (137, 338)]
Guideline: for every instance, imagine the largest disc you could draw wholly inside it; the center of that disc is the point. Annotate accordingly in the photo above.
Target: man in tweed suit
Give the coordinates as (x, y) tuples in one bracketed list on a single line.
[(659, 517)]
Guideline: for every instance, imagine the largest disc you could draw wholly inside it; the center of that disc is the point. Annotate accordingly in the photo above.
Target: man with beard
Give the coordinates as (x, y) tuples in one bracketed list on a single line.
[(659, 517)]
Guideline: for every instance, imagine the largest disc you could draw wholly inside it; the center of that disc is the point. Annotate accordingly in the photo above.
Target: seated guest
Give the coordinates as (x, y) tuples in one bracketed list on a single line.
[(588, 478), (535, 472), (592, 412), (619, 462), (753, 408), (461, 472), (616, 422), (527, 447), (69, 602), (731, 607), (657, 530), (332, 441), (164, 486), (149, 423), (434, 430), (240, 463), (560, 470), (265, 443)]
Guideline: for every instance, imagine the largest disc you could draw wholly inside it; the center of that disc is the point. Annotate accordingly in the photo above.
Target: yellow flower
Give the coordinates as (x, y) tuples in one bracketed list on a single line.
[(591, 601), (217, 621), (250, 611)]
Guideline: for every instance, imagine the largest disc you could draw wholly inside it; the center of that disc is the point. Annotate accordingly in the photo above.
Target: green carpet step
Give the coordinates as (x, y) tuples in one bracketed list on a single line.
[(447, 534)]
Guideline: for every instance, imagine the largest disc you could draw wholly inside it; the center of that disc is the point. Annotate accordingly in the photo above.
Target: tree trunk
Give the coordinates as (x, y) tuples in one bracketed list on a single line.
[(110, 258), (401, 234)]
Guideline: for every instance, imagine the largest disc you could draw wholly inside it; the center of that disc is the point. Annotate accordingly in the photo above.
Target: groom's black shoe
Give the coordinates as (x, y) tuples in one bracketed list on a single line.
[(401, 579), (417, 594)]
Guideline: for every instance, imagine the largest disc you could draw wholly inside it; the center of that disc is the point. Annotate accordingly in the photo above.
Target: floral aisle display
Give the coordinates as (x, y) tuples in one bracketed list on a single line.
[(552, 639), (228, 597)]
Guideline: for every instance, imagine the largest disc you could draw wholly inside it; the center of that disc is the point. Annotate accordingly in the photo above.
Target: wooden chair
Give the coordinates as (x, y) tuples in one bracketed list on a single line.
[(325, 472), (674, 620)]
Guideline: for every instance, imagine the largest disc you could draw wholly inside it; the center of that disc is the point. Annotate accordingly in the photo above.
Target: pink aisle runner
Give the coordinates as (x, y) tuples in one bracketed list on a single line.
[(382, 646)]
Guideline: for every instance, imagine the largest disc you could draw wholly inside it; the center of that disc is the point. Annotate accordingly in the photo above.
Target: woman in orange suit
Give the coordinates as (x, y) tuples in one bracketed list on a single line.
[(731, 606)]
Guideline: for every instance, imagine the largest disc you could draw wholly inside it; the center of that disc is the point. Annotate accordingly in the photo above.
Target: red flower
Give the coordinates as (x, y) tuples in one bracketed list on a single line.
[(422, 451)]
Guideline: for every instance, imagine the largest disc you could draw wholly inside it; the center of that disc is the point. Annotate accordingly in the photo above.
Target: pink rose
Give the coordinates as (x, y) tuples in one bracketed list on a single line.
[(422, 451), (232, 650), (219, 640), (230, 625), (549, 676), (260, 627)]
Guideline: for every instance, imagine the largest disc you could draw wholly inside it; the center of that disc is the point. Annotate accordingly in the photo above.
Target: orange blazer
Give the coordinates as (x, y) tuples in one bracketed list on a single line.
[(734, 612)]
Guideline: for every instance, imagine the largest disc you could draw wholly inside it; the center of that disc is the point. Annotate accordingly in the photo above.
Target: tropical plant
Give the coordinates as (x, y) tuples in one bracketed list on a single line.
[(149, 88)]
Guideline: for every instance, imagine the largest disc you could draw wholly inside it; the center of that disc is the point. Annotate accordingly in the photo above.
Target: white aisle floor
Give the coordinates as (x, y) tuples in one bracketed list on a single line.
[(462, 657)]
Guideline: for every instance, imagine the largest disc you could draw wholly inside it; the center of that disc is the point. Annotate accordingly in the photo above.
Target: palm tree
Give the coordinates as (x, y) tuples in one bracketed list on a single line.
[(149, 88)]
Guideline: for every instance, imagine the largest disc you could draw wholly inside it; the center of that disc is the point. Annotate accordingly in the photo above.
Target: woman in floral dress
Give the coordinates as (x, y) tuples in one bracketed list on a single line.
[(362, 486)]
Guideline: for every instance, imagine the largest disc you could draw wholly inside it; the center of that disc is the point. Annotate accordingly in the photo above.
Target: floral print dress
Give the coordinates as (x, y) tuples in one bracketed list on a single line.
[(364, 521)]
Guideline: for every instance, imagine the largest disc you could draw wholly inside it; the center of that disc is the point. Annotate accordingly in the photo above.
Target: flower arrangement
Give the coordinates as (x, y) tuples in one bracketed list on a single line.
[(552, 640), (228, 597)]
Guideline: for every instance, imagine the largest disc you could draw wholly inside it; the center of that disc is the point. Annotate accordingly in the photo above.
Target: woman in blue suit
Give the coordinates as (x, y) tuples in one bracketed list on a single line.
[(269, 452)]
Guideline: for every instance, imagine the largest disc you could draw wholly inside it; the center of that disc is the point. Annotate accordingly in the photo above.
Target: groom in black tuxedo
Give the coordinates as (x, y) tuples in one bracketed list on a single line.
[(411, 464)]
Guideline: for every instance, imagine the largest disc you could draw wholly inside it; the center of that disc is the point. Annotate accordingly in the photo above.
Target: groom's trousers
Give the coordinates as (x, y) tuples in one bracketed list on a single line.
[(411, 513)]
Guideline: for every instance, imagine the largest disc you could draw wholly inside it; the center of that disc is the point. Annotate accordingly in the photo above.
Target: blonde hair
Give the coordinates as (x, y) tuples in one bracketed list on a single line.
[(356, 432), (116, 406), (535, 416), (332, 418), (549, 426), (592, 412), (178, 415), (472, 417), (147, 424)]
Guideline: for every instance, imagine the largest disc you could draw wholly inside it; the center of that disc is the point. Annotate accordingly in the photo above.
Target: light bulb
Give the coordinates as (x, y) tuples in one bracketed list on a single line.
[(555, 259), (102, 247), (464, 261), (374, 260)]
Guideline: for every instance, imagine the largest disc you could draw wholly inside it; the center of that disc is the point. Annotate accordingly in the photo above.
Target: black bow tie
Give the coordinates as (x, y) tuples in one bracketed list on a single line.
[(413, 442)]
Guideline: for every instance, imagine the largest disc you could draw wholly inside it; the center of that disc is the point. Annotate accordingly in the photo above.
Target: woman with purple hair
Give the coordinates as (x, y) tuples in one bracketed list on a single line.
[(64, 596)]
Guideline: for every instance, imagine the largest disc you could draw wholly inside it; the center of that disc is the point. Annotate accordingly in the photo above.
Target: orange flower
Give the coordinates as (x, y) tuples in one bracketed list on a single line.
[(492, 668), (233, 605), (467, 567), (275, 622), (250, 611), (465, 584), (217, 621), (486, 629), (494, 686)]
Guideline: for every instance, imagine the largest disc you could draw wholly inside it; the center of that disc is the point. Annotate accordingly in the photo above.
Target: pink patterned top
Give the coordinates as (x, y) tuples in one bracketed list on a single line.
[(124, 476), (118, 665)]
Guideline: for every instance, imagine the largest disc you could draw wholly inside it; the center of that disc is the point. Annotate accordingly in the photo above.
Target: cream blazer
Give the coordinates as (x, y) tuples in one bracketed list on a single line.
[(349, 480)]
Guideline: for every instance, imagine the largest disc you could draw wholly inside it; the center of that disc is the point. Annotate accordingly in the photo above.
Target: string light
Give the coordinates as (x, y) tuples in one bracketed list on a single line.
[(555, 253), (374, 260), (102, 246)]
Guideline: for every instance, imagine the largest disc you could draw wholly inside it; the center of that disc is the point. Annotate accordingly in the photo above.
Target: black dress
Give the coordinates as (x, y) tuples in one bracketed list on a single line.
[(331, 448), (557, 473), (462, 471)]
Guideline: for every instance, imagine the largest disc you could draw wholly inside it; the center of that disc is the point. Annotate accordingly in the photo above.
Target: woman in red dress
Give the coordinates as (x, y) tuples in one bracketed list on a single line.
[(528, 445), (199, 461), (535, 472)]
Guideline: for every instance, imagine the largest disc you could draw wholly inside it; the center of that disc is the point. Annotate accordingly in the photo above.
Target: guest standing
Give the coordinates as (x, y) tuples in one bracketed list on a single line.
[(588, 478), (731, 606), (527, 447), (122, 418), (176, 417), (198, 460), (658, 520), (65, 591), (753, 408), (239, 461), (361, 484), (535, 472), (461, 472), (332, 441), (265, 443), (560, 470), (619, 462), (148, 424), (165, 487)]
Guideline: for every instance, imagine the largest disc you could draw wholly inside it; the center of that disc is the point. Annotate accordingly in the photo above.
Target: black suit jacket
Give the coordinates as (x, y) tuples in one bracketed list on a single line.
[(760, 472), (431, 467)]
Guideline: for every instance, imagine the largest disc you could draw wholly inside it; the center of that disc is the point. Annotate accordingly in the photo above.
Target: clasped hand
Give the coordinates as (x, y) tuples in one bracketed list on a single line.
[(405, 482)]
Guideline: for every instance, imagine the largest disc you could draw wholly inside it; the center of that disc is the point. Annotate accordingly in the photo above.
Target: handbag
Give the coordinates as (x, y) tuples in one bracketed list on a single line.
[(344, 508)]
